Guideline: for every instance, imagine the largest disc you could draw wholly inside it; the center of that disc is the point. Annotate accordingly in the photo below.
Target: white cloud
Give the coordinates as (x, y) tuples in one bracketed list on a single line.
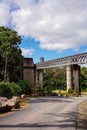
[(4, 13), (27, 52), (57, 24)]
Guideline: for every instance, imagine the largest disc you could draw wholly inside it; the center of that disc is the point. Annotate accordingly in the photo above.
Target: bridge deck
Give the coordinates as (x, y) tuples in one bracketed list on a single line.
[(69, 60)]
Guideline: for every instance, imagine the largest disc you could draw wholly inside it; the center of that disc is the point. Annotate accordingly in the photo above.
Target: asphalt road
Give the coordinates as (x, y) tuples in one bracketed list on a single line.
[(44, 113)]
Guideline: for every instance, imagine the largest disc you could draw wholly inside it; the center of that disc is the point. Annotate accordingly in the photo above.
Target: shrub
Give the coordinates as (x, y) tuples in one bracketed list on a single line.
[(70, 91), (47, 90), (15, 89), (5, 90), (25, 87), (9, 89)]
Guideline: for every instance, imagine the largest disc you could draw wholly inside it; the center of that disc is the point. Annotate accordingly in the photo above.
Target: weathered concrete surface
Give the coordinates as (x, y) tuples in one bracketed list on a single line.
[(44, 113)]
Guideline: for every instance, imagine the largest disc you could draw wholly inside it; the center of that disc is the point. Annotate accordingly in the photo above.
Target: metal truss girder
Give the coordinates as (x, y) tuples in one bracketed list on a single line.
[(69, 60)]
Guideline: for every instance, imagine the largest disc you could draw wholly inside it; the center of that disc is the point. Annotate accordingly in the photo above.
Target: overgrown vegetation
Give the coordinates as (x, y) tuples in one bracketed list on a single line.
[(26, 87), (11, 65), (83, 79), (15, 89), (9, 89), (56, 78)]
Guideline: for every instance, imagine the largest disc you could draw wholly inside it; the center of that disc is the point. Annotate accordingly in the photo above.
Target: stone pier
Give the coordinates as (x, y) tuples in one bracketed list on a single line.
[(76, 77), (29, 71), (39, 75), (73, 74), (69, 79)]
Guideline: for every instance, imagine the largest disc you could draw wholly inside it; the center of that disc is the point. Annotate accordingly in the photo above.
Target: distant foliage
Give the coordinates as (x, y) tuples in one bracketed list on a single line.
[(83, 79), (55, 78)]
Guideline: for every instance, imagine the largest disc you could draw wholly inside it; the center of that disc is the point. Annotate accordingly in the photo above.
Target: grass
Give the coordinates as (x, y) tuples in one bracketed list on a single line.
[(62, 91), (84, 93), (24, 103), (65, 92)]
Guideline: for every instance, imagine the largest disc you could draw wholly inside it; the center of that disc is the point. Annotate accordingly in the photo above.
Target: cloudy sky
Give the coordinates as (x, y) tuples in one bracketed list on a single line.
[(49, 28)]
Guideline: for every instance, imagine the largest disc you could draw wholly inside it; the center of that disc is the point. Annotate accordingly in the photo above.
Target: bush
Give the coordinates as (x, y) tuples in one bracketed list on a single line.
[(47, 91), (25, 87), (70, 91), (9, 89), (15, 89), (5, 90)]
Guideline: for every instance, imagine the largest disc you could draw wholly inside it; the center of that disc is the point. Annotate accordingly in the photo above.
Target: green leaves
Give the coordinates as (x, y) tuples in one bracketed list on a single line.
[(10, 52)]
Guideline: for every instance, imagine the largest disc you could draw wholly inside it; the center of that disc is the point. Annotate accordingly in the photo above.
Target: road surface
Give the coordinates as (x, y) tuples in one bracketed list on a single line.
[(44, 113)]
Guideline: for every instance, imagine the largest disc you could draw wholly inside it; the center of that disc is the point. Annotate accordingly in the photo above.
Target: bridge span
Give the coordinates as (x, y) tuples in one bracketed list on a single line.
[(72, 64), (69, 60), (33, 72)]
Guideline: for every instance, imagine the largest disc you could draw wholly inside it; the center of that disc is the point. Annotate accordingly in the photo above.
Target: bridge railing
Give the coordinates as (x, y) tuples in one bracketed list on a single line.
[(70, 60)]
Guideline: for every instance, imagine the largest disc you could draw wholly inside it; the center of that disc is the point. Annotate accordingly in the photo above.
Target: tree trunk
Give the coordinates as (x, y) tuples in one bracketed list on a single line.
[(5, 72)]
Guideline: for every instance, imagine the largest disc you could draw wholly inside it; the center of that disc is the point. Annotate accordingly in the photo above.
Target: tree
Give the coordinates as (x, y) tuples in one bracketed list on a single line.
[(10, 52), (55, 78), (83, 78)]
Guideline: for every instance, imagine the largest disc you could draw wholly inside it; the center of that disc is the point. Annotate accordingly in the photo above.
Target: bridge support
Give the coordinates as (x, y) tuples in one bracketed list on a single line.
[(39, 77), (29, 71), (73, 74), (76, 75), (69, 76)]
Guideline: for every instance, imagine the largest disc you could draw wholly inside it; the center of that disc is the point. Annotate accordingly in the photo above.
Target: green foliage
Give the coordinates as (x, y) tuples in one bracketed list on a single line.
[(47, 90), (70, 91), (15, 89), (83, 79), (39, 90), (9, 89), (25, 86), (10, 54), (55, 78)]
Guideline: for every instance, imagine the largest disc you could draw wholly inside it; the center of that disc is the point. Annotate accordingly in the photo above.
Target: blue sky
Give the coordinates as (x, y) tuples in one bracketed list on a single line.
[(49, 28)]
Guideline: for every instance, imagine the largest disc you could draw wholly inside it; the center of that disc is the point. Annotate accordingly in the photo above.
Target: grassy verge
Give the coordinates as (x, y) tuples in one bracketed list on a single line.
[(63, 92)]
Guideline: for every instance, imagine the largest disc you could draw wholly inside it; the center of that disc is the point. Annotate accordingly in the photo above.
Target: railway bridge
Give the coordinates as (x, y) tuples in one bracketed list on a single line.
[(72, 64)]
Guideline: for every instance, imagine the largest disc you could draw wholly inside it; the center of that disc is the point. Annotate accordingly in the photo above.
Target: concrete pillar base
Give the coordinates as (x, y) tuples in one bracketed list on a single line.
[(76, 75), (69, 76), (39, 78)]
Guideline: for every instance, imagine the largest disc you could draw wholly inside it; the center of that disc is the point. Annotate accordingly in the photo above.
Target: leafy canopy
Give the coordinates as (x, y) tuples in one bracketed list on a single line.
[(10, 53)]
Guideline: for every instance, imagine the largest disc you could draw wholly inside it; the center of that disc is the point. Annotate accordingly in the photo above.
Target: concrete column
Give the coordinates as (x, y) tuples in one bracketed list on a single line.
[(39, 74), (29, 71), (69, 76), (76, 75), (40, 77)]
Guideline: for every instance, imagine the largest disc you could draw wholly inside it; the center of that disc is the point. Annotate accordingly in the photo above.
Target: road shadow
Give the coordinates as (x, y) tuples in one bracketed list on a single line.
[(68, 122), (82, 121), (50, 99)]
